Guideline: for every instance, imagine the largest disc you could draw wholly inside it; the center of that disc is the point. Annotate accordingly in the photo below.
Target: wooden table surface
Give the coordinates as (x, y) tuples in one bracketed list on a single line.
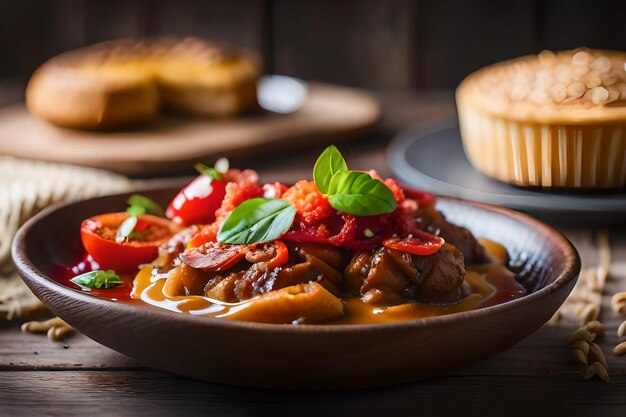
[(80, 377)]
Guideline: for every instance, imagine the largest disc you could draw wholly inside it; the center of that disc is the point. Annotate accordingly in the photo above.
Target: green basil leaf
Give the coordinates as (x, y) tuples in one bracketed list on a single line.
[(98, 279), (206, 170), (136, 210), (328, 164), (139, 203), (125, 229), (357, 193), (257, 220)]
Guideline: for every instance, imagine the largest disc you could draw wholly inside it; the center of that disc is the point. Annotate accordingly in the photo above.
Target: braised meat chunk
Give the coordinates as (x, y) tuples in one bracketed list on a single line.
[(440, 275), (385, 282), (432, 221), (389, 277), (185, 280)]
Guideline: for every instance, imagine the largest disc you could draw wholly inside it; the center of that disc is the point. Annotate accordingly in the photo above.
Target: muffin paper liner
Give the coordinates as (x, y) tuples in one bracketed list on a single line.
[(545, 155)]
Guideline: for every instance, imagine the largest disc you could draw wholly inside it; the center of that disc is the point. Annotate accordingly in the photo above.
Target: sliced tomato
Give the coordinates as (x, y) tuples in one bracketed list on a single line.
[(418, 243), (282, 255), (205, 235), (198, 201), (98, 236)]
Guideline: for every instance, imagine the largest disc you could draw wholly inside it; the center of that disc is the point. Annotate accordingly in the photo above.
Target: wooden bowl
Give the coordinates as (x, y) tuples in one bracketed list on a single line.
[(305, 356)]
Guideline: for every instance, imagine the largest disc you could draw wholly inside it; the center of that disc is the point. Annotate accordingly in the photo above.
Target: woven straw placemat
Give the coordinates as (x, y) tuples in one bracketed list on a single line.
[(27, 187)]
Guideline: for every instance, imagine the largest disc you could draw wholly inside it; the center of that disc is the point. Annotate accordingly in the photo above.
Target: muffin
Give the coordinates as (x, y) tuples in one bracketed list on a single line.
[(128, 81), (557, 119)]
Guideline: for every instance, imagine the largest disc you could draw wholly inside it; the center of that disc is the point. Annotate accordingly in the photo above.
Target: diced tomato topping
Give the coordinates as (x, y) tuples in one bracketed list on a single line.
[(310, 204), (237, 193), (423, 198), (395, 188), (316, 221), (392, 184), (274, 190)]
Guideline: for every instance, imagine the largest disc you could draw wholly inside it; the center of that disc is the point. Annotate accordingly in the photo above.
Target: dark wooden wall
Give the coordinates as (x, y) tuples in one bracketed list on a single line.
[(422, 44)]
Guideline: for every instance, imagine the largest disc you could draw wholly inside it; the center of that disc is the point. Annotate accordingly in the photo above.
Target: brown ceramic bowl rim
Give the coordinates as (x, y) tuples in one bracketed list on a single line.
[(570, 272)]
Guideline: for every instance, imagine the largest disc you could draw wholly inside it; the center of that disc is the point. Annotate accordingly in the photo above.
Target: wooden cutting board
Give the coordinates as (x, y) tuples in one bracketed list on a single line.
[(173, 143)]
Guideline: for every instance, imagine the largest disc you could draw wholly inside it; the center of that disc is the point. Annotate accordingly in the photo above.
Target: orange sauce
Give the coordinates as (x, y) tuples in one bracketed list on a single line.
[(489, 284)]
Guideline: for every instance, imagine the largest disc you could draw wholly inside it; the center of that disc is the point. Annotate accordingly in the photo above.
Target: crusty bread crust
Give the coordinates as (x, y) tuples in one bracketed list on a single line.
[(125, 82)]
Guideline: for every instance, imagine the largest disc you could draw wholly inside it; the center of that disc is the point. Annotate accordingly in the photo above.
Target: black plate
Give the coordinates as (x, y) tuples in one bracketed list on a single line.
[(432, 159)]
